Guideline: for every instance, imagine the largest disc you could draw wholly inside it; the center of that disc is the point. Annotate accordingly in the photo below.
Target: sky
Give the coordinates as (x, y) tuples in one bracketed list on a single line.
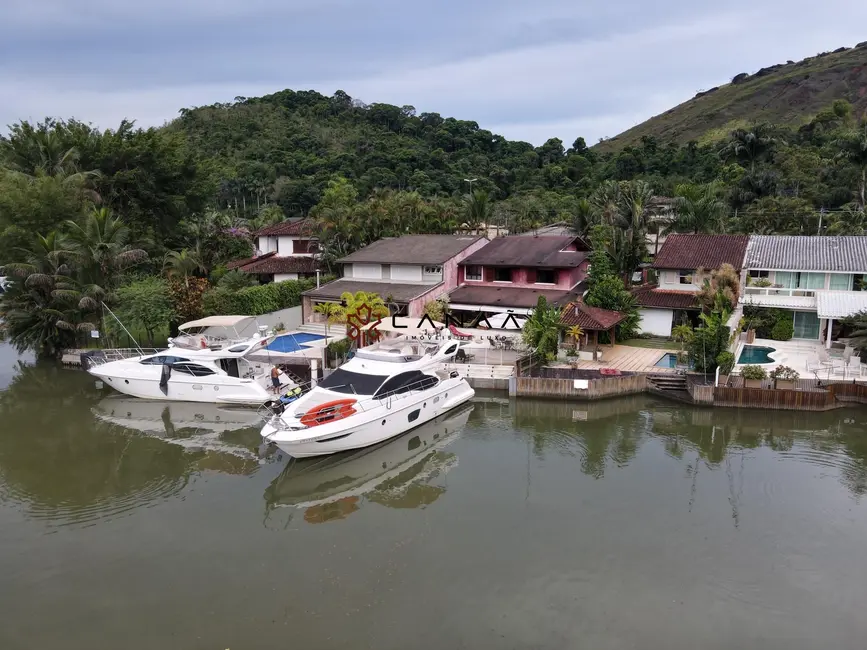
[(529, 70)]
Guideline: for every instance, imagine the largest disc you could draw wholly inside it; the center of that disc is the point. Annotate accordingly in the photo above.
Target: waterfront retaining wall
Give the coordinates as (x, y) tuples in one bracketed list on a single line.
[(577, 388)]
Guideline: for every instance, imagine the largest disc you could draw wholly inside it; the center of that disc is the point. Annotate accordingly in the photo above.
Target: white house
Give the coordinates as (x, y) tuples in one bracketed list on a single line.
[(820, 280), (284, 251), (678, 263)]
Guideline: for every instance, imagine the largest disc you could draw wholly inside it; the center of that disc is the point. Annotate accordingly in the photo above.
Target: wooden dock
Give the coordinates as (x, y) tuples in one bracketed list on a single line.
[(629, 359)]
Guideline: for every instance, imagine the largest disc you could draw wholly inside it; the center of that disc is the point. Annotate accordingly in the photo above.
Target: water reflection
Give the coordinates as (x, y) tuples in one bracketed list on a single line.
[(69, 456), (396, 474)]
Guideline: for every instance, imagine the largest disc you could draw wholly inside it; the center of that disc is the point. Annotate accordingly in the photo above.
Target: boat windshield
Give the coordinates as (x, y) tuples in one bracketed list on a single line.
[(353, 383)]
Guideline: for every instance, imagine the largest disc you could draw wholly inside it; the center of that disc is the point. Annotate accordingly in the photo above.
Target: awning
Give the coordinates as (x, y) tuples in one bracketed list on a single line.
[(215, 321), (840, 304)]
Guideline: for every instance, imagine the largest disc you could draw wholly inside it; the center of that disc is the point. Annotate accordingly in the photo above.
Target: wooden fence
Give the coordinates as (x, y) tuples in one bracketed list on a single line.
[(849, 392), (577, 388), (795, 400), (526, 365)]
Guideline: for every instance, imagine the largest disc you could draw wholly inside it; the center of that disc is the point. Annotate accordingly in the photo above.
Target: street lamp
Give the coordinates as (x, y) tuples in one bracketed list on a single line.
[(470, 181)]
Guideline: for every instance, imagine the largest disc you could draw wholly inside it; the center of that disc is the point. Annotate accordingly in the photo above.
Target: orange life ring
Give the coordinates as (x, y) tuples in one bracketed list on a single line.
[(328, 412)]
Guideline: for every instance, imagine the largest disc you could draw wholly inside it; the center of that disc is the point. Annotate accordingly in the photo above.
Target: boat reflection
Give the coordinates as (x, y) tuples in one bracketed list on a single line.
[(229, 435), (396, 474)]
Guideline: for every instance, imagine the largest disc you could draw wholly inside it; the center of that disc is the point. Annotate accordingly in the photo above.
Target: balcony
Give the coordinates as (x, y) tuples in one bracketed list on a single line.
[(779, 297)]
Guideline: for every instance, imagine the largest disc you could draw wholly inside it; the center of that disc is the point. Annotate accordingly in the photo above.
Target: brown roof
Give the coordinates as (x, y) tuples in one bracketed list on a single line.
[(293, 227), (664, 299), (701, 251), (412, 249), (541, 252), (399, 291), (590, 318), (508, 296), (274, 264)]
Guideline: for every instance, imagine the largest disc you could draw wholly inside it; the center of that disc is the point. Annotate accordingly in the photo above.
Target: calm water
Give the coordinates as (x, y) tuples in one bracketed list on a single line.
[(620, 524)]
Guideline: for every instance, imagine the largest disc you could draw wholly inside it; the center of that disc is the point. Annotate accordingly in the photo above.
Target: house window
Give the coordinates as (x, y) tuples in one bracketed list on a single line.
[(473, 273), (546, 276), (841, 282), (684, 276), (760, 274), (433, 270), (502, 275)]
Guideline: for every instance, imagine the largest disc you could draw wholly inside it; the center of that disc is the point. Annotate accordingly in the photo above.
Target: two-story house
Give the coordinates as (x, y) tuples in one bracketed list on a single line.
[(679, 264), (510, 273), (407, 272), (284, 251), (819, 280)]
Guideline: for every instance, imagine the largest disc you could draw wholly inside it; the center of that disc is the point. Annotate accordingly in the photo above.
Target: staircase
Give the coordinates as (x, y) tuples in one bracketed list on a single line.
[(318, 328), (673, 386)]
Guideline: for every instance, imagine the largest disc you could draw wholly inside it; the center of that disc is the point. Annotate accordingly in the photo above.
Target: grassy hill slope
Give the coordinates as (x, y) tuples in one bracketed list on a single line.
[(786, 94)]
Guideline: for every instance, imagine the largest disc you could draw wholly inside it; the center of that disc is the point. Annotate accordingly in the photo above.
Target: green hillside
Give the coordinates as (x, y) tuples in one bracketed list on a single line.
[(788, 94)]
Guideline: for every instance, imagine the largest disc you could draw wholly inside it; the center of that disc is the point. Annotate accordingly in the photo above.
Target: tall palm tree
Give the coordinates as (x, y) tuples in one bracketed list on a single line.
[(541, 330), (750, 145), (182, 265), (698, 209), (853, 148), (477, 208), (330, 310)]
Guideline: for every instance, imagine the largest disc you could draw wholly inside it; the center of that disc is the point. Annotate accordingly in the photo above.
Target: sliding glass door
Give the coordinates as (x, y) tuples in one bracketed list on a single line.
[(806, 325)]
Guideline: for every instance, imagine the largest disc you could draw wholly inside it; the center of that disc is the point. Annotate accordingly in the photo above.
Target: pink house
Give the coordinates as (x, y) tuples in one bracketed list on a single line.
[(510, 273), (407, 272)]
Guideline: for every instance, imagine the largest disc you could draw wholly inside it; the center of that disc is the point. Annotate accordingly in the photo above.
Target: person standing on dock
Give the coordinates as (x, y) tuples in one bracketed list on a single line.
[(275, 379)]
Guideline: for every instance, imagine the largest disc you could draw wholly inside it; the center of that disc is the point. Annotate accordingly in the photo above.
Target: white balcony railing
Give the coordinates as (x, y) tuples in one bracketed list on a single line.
[(777, 291)]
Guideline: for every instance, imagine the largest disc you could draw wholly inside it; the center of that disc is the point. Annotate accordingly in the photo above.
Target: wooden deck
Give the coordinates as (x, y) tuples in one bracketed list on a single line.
[(629, 359)]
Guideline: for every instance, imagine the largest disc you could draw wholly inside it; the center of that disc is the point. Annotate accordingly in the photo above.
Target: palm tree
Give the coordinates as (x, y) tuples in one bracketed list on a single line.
[(42, 309), (698, 209), (330, 310), (360, 308), (542, 330), (575, 333), (853, 148), (182, 265), (750, 145), (477, 208), (682, 334)]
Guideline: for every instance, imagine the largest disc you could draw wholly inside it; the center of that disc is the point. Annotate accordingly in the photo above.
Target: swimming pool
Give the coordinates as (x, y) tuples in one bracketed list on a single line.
[(669, 360), (755, 354), (293, 342)]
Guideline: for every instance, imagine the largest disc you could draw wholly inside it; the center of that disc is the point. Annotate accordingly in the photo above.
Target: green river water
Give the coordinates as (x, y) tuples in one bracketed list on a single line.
[(633, 523)]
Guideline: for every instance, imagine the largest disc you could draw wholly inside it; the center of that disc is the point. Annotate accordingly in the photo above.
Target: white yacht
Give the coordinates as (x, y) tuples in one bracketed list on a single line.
[(383, 391), (216, 332), (223, 376)]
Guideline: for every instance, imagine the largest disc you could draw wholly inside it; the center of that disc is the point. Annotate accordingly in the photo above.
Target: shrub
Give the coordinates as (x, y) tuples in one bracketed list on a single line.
[(785, 373), (783, 330), (754, 372), (253, 301), (726, 361)]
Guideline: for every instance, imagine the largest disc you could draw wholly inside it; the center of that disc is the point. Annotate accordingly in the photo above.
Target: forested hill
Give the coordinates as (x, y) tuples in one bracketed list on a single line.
[(787, 94)]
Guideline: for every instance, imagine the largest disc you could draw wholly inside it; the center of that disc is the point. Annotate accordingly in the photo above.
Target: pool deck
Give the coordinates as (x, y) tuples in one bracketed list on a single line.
[(796, 354), (629, 359)]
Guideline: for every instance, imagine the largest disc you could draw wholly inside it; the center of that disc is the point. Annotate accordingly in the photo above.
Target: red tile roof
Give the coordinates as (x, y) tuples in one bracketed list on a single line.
[(294, 227), (664, 299), (270, 263), (702, 251), (590, 318)]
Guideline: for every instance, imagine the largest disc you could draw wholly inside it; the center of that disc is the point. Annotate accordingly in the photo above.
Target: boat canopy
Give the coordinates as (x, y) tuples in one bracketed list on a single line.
[(215, 321)]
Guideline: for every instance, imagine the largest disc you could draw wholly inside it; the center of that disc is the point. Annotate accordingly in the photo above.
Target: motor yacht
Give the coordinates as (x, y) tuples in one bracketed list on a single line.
[(223, 376), (217, 332), (383, 391), (399, 473)]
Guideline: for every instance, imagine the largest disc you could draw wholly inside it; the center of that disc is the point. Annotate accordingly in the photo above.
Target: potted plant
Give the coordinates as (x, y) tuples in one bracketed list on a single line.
[(785, 377), (753, 376), (726, 361)]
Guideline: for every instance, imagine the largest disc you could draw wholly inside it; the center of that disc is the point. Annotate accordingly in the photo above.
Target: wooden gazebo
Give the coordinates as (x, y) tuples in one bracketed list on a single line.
[(592, 319)]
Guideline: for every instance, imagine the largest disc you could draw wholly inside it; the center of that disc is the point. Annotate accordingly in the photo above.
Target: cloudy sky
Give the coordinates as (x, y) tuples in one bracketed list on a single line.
[(528, 69)]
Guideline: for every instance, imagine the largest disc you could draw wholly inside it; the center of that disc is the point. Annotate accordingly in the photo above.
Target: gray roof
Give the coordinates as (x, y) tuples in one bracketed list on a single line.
[(796, 253), (412, 249), (399, 291)]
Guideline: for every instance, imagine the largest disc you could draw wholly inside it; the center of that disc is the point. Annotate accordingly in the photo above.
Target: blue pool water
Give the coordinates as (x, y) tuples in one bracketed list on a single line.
[(293, 342), (667, 361), (754, 354)]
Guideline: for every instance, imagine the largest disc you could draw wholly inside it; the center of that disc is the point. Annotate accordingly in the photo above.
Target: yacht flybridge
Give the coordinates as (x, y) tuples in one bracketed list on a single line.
[(383, 391), (193, 372)]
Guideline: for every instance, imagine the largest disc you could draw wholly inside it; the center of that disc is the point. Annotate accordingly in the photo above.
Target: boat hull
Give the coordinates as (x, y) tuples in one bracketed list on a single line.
[(215, 389), (390, 418)]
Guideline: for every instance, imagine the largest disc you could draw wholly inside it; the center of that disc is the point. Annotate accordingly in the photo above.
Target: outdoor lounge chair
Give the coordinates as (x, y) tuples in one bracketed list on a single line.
[(853, 368)]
